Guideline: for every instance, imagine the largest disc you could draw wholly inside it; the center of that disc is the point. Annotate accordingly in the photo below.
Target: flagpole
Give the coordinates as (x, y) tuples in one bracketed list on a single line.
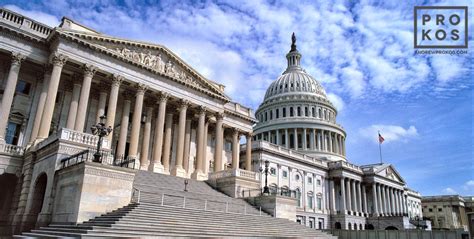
[(380, 149)]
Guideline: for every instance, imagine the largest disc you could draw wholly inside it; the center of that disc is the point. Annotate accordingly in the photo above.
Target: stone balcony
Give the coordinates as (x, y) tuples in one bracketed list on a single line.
[(73, 137)]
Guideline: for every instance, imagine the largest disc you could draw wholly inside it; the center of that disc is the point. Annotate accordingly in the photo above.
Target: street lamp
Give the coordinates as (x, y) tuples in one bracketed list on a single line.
[(100, 130), (265, 189)]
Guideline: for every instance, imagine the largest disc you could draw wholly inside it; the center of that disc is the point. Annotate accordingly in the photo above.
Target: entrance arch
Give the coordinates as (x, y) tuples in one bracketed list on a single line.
[(391, 228), (38, 194), (337, 225), (369, 227)]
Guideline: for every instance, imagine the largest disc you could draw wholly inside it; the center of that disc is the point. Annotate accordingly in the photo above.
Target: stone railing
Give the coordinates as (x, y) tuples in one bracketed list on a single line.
[(237, 108), (10, 149), (24, 23), (72, 136), (82, 138), (287, 152), (234, 173), (346, 165)]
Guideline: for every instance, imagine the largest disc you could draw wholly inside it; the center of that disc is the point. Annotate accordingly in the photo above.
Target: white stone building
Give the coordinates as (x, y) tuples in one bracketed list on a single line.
[(299, 135)]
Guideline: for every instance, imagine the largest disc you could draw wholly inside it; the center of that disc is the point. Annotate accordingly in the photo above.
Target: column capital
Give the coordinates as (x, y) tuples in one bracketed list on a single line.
[(58, 59), (17, 58), (201, 109), (163, 97), (127, 95), (183, 104), (117, 79), (219, 115), (141, 88), (235, 132), (89, 70)]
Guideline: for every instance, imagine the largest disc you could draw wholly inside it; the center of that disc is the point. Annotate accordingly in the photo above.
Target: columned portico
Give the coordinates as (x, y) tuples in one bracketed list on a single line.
[(178, 170), (9, 92)]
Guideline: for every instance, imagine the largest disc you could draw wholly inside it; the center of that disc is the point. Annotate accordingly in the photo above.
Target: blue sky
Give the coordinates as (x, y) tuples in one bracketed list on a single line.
[(361, 52)]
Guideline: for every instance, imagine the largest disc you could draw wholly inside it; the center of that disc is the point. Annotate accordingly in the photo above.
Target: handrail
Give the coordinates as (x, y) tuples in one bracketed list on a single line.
[(187, 202)]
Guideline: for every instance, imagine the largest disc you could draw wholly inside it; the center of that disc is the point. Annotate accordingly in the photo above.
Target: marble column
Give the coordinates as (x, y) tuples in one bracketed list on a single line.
[(248, 153), (336, 143), (303, 139), (349, 195), (120, 153), (277, 135), (379, 201), (102, 103), (144, 161), (187, 146), (359, 197), (375, 200), (318, 140), (219, 143), (235, 149), (343, 197), (330, 141), (112, 106), (354, 197), (344, 146), (9, 92), (89, 72), (72, 114), (364, 199), (178, 170), (295, 138), (40, 106), (136, 121), (156, 165), (58, 61), (312, 141), (287, 139), (167, 143), (332, 196), (199, 171), (205, 165), (385, 200)]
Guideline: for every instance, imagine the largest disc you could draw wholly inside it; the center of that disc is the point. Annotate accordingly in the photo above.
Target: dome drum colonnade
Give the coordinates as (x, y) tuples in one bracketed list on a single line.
[(160, 145), (296, 114)]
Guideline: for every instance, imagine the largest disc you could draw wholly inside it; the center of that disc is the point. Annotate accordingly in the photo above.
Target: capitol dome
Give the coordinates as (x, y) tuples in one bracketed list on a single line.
[(297, 114)]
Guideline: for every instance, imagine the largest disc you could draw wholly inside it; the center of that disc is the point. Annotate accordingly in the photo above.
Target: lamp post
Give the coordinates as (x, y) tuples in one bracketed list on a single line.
[(100, 130), (265, 189)]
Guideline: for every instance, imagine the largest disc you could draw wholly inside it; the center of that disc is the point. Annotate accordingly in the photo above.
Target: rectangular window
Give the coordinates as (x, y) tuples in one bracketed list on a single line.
[(299, 111), (272, 171), (13, 133), (318, 182), (285, 174), (310, 201), (271, 114), (284, 112), (318, 202), (306, 111), (23, 87), (291, 112), (440, 209), (310, 180)]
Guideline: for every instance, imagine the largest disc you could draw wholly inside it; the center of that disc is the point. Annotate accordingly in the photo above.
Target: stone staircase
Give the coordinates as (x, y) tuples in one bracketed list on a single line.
[(163, 209)]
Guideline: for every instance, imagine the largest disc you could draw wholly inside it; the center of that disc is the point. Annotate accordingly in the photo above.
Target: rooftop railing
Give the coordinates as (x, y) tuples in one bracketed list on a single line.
[(24, 23), (12, 150)]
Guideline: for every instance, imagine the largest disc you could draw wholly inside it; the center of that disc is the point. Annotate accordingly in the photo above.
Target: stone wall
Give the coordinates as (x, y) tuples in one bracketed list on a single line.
[(89, 189), (398, 234)]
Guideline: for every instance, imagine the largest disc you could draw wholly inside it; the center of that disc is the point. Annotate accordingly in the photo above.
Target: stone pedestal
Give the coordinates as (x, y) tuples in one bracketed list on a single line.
[(234, 182), (156, 168), (178, 172), (276, 205), (199, 176)]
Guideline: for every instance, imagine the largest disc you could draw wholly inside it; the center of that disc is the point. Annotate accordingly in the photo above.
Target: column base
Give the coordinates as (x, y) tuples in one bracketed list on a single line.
[(178, 172), (144, 166), (156, 167), (199, 175)]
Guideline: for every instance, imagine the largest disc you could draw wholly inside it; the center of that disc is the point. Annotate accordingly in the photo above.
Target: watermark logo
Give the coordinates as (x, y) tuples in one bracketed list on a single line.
[(440, 27)]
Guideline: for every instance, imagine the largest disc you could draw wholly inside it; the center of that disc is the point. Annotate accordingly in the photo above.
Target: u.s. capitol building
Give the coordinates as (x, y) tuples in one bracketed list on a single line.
[(163, 122)]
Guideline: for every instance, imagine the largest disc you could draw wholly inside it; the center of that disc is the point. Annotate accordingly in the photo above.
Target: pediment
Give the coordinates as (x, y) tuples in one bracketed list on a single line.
[(389, 172), (155, 58)]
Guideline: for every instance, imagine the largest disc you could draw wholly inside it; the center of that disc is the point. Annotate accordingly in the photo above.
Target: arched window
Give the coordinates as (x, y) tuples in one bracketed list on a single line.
[(277, 113), (319, 201), (298, 196), (320, 113), (306, 111), (284, 112), (349, 226), (291, 111), (271, 114), (299, 111), (265, 116), (313, 112)]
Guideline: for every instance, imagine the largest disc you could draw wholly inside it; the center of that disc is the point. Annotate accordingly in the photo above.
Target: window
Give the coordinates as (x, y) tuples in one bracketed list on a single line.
[(310, 180), (277, 113), (272, 171), (285, 174), (299, 111), (318, 203), (309, 200), (318, 182), (440, 209), (291, 111), (306, 111), (265, 116), (430, 209), (284, 112), (13, 133), (23, 87), (271, 114), (297, 177), (312, 112)]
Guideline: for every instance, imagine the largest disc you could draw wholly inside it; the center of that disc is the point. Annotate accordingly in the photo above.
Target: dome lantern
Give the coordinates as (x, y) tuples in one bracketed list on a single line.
[(293, 57)]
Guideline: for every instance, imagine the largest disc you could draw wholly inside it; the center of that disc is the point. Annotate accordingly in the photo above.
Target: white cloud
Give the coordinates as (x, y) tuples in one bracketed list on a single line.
[(391, 133), (449, 190), (468, 187), (336, 101)]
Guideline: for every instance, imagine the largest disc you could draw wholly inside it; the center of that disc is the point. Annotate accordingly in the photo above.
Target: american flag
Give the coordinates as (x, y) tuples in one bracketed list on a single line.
[(381, 139)]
